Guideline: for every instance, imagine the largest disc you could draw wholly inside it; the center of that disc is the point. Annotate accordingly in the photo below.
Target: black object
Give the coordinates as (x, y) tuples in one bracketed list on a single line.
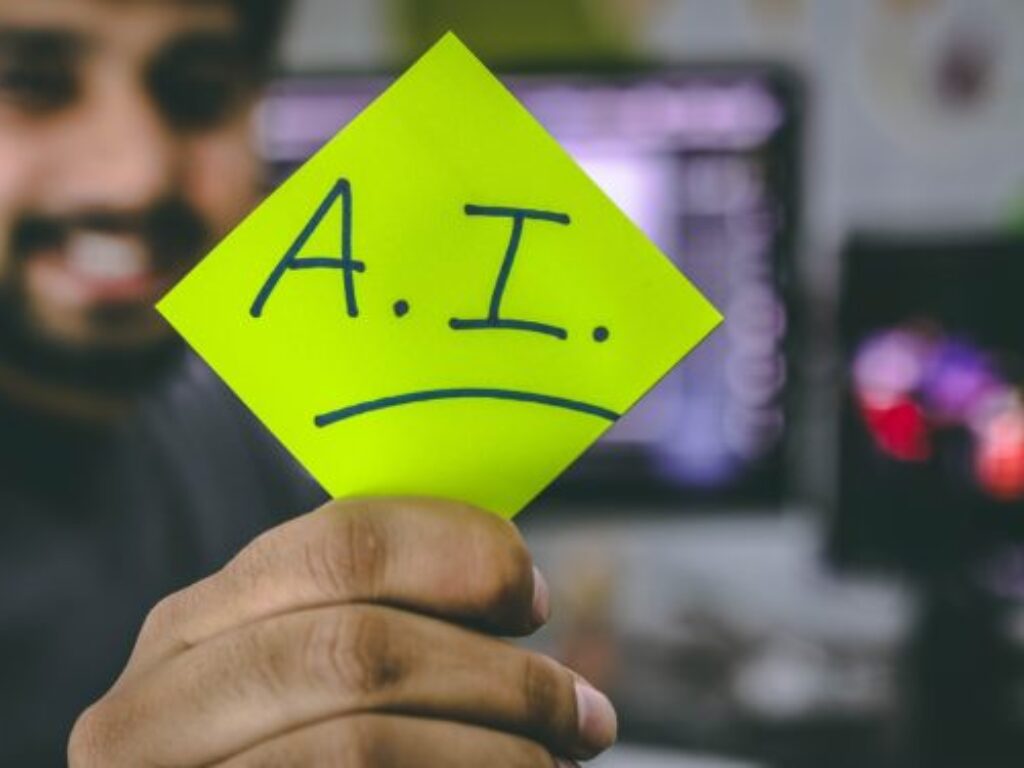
[(931, 514), (912, 498)]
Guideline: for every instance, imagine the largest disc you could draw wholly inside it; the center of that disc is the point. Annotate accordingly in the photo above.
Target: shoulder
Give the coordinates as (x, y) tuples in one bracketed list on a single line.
[(198, 423)]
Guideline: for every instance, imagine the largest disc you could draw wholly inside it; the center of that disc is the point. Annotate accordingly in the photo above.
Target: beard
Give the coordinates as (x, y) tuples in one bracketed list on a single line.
[(106, 371), (171, 233)]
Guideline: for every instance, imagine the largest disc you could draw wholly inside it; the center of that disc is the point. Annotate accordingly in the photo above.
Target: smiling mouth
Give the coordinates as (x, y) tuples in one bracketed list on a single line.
[(464, 393), (99, 258), (92, 268)]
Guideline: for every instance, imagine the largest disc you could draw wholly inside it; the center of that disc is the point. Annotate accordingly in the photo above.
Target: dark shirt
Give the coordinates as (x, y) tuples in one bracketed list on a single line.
[(97, 526)]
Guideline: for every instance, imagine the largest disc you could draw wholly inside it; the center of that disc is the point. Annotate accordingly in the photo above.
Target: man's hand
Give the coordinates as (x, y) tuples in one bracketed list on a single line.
[(360, 635)]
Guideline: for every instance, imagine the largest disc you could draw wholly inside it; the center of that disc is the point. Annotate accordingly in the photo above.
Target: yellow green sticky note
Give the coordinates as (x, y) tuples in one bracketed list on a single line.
[(439, 302)]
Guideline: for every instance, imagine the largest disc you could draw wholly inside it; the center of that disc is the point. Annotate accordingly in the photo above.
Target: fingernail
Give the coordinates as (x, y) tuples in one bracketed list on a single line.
[(541, 599), (597, 719), (561, 762)]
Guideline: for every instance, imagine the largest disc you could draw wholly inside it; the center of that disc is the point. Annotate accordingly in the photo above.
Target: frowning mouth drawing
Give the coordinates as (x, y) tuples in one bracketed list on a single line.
[(463, 393)]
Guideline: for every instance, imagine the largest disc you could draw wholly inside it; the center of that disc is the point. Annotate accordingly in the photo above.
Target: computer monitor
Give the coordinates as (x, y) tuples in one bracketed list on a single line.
[(932, 436), (705, 162)]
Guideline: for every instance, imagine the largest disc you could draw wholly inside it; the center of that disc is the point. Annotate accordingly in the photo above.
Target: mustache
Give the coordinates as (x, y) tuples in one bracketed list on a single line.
[(172, 230)]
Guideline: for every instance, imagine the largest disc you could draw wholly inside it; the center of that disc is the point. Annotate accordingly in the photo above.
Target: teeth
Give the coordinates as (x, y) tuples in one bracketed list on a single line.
[(106, 257)]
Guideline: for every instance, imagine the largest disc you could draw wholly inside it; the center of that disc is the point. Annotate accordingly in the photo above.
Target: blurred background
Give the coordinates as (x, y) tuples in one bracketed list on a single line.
[(802, 548)]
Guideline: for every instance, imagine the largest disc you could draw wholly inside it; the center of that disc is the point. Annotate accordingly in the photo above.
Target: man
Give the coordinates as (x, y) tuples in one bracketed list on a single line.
[(359, 634)]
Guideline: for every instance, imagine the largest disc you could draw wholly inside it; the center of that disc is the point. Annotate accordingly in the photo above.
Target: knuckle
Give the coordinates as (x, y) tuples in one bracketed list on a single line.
[(506, 571), (529, 754), (353, 650), (161, 616), (249, 568), (265, 650), (354, 742), (542, 690), (363, 741), (91, 740), (350, 558)]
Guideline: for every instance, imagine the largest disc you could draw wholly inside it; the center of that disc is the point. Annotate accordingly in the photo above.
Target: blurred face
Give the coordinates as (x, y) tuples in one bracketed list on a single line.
[(124, 152)]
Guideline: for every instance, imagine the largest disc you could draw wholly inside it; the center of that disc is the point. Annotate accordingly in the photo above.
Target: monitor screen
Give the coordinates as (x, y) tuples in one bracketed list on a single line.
[(932, 435), (704, 162)]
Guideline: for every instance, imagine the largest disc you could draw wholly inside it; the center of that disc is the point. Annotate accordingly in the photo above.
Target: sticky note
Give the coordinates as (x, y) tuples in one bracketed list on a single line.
[(439, 302)]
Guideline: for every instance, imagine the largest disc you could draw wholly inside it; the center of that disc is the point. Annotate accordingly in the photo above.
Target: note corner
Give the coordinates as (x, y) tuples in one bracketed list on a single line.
[(451, 44)]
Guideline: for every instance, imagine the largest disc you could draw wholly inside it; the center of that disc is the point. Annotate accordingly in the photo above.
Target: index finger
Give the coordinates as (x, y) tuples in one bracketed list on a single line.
[(436, 557)]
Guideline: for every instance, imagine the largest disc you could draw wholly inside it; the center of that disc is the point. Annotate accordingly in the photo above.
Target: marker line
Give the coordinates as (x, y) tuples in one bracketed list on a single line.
[(467, 393)]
